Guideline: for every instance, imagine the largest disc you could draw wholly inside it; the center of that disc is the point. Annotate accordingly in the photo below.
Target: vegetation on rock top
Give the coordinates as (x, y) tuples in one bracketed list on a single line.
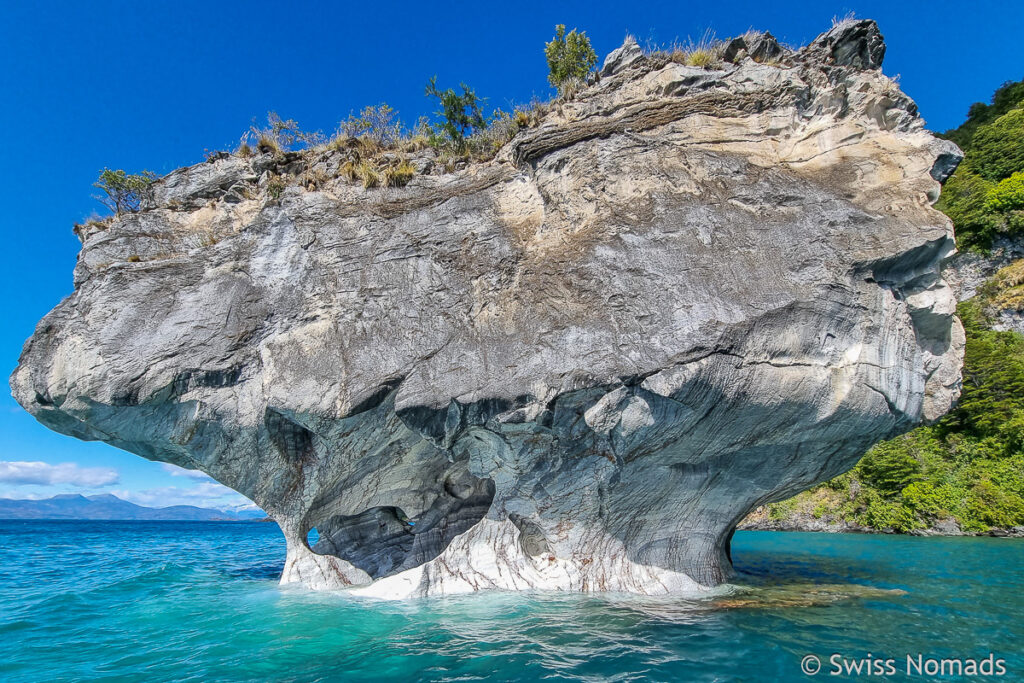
[(570, 59), (123, 192), (375, 148)]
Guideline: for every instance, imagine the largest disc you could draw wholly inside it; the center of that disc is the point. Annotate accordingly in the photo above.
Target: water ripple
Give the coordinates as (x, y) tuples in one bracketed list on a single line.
[(199, 602)]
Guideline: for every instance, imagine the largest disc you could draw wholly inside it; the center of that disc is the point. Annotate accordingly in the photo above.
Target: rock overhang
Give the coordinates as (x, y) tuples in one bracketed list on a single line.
[(683, 294)]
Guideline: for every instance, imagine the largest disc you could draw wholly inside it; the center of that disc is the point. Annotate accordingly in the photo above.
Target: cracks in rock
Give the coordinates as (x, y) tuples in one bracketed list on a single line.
[(896, 412), (642, 116), (292, 440), (387, 389)]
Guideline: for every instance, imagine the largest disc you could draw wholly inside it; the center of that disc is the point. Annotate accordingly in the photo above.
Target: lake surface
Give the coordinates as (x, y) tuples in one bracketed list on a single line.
[(194, 601)]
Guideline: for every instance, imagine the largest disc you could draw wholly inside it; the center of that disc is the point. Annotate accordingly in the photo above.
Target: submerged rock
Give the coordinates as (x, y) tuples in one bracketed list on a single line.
[(684, 294)]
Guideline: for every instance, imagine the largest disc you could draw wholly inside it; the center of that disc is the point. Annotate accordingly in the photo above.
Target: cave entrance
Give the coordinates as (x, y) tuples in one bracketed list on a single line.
[(384, 540)]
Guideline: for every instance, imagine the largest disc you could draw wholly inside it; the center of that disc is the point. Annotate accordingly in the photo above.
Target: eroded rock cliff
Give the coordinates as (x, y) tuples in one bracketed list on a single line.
[(685, 293)]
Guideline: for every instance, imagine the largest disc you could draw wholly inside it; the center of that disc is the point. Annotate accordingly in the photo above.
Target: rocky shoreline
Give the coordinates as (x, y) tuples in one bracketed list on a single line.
[(760, 520)]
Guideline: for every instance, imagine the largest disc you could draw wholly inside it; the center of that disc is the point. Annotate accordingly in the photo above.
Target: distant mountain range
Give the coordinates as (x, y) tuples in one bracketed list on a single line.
[(110, 507)]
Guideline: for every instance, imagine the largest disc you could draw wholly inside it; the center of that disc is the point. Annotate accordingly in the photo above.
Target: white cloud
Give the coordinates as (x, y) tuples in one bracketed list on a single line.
[(20, 494), (176, 471), (207, 494), (45, 474)]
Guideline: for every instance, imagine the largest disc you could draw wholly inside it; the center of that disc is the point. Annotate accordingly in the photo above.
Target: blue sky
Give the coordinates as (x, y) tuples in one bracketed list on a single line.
[(152, 85)]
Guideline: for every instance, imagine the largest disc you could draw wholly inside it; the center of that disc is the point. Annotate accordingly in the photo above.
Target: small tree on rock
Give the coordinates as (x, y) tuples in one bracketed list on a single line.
[(463, 114), (124, 192), (281, 134), (379, 123), (570, 59)]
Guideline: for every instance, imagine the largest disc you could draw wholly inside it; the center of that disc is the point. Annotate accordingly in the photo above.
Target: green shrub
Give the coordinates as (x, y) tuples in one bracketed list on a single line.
[(378, 123), (924, 499), (992, 506), (782, 509), (462, 114), (1011, 432), (399, 175), (276, 186), (280, 135), (997, 149), (993, 376), (1008, 195), (570, 58), (702, 58), (124, 192), (885, 514), (890, 467), (963, 199)]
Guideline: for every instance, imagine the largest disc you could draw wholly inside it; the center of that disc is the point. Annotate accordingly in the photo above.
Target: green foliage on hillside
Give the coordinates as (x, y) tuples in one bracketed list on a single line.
[(993, 377), (1007, 97), (985, 196), (970, 466)]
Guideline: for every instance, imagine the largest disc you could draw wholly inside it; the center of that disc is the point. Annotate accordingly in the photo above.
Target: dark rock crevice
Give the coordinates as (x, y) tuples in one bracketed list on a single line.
[(383, 541)]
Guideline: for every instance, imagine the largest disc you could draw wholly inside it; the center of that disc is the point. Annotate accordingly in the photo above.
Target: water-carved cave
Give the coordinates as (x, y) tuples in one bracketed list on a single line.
[(383, 540)]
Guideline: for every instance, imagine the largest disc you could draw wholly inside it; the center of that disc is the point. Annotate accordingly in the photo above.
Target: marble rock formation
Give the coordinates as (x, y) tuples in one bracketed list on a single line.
[(684, 293)]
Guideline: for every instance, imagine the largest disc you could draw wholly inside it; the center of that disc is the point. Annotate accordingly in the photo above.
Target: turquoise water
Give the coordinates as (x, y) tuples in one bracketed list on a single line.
[(166, 601)]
